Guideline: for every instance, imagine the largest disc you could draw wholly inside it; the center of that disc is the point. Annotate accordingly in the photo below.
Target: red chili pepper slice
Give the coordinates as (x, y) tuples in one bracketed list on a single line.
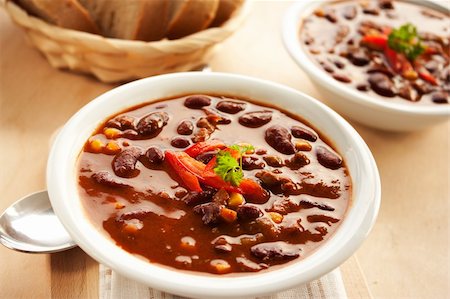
[(189, 179), (253, 191), (375, 42), (424, 74), (203, 147)]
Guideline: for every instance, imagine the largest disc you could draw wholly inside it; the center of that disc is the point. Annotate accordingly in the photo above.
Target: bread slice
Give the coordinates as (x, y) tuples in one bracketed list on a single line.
[(130, 19), (64, 13), (225, 11), (190, 16)]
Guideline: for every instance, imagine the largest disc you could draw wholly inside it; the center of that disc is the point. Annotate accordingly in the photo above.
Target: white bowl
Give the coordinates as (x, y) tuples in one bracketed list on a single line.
[(347, 100), (62, 186)]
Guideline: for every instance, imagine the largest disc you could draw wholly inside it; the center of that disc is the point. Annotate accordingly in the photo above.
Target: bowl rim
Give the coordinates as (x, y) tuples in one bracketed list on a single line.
[(352, 231), (292, 23)]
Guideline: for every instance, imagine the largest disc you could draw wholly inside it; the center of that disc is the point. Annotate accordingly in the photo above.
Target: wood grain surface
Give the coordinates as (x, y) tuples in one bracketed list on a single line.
[(405, 256)]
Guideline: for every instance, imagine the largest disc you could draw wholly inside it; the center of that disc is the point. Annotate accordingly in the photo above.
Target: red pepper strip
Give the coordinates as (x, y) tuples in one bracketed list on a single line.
[(209, 178), (253, 191), (424, 74), (211, 164), (431, 50), (375, 42), (203, 147), (393, 59), (190, 180)]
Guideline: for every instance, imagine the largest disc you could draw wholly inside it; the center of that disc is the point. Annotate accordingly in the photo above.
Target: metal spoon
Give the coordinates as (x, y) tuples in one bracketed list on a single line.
[(30, 225)]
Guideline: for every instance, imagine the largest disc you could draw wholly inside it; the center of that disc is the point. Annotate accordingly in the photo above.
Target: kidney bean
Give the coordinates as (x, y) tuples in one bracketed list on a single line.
[(342, 78), (255, 119), (359, 57), (297, 161), (274, 161), (195, 198), (124, 163), (185, 128), (362, 87), (180, 142), (439, 97), (230, 107), (210, 212), (381, 84), (421, 87), (279, 138), (330, 15), (300, 132), (121, 122), (152, 124), (328, 158), (248, 212), (386, 4), (197, 102), (275, 251), (250, 163), (130, 134), (154, 155), (107, 179)]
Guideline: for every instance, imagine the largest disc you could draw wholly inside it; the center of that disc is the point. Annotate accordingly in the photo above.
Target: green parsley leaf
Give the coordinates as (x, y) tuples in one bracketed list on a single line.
[(228, 168), (405, 40)]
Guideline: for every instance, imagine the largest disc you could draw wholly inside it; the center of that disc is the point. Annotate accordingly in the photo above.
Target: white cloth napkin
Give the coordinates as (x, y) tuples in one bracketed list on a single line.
[(115, 286)]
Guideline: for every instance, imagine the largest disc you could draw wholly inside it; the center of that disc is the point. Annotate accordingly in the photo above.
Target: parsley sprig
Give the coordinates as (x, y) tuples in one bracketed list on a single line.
[(229, 168), (406, 40)]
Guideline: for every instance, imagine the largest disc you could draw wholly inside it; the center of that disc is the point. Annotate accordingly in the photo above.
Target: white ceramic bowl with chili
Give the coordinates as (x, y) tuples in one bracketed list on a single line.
[(393, 112), (354, 227)]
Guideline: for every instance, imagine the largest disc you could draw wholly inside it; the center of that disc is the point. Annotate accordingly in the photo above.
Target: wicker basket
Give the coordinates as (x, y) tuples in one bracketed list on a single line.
[(113, 60)]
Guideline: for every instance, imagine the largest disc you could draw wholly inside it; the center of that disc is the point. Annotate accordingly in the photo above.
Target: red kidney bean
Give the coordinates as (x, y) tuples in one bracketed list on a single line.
[(195, 198), (248, 212), (154, 155), (124, 163), (300, 132), (381, 84), (250, 163), (197, 102), (130, 134), (151, 125), (362, 87), (386, 4), (121, 122), (279, 138), (107, 179), (342, 78), (274, 161), (359, 57), (230, 107), (328, 158), (439, 97), (210, 212), (185, 127), (408, 92), (180, 142), (275, 251), (255, 119), (297, 161)]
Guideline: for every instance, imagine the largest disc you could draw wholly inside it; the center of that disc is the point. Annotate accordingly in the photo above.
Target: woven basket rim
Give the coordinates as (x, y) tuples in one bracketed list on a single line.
[(44, 27)]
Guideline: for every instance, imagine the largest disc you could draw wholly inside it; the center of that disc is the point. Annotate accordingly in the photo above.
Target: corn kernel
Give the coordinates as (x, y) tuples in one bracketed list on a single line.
[(236, 199), (111, 133), (276, 217), (303, 146), (96, 145), (228, 215), (112, 148), (220, 266), (410, 74), (119, 205)]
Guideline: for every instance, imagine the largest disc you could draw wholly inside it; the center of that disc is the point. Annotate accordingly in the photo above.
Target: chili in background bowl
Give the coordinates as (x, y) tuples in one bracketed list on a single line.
[(360, 106), (62, 183)]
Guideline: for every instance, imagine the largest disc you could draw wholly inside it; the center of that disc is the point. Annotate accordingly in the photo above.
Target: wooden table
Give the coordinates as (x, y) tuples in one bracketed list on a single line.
[(406, 255)]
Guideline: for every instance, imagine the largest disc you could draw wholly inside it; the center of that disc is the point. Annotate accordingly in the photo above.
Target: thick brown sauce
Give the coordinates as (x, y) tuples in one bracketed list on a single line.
[(167, 231), (333, 40)]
